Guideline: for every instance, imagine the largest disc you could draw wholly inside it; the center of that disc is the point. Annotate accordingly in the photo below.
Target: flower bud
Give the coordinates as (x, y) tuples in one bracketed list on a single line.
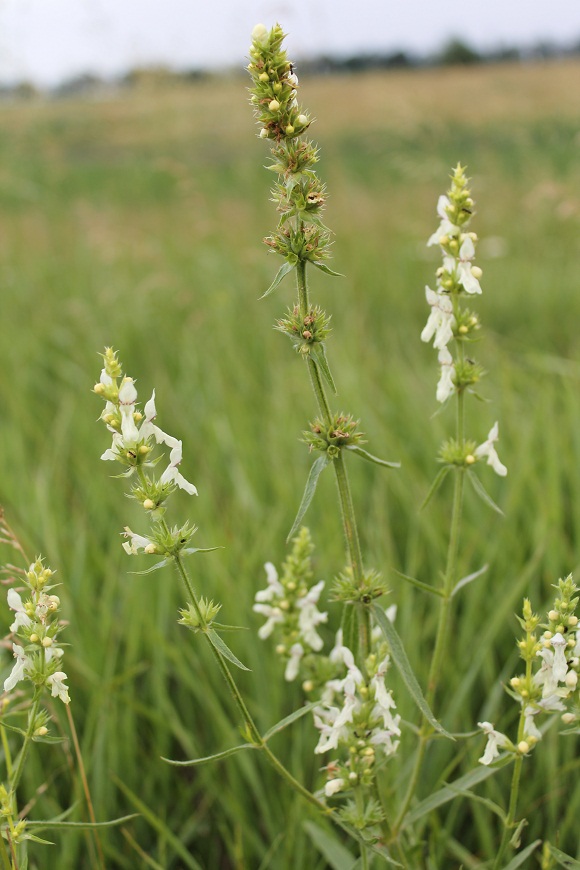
[(148, 504), (476, 272), (302, 120), (553, 615), (46, 642), (523, 747), (571, 679), (274, 105), (260, 33), (568, 718)]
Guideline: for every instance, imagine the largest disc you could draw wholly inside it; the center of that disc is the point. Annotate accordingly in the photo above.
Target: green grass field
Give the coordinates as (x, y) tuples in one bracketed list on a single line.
[(136, 222)]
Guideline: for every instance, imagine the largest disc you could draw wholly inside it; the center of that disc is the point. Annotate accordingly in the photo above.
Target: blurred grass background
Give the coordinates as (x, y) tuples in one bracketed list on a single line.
[(136, 221)]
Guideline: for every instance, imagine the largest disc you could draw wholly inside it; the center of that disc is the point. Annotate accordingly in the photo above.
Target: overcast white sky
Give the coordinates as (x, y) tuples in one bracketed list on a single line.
[(47, 41)]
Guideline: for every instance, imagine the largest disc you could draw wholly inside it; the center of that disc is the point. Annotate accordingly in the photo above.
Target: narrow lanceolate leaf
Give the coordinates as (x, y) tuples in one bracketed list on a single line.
[(441, 475), (224, 649), (194, 762), (523, 856), (288, 720), (458, 786), (335, 854), (468, 579), (154, 567), (483, 493), (324, 268), (563, 860), (419, 584), (318, 354), (315, 472), (284, 270), (79, 826), (400, 659), (354, 448)]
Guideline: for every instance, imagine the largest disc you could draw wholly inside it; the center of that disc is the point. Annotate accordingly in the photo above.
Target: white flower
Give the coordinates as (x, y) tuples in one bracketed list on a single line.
[(274, 587), (487, 449), (446, 228), (445, 387), (530, 727), (560, 665), (137, 542), (260, 33), (18, 671), (57, 686), (545, 676), (172, 474), (309, 616), (273, 616), (495, 739), (15, 603), (333, 786), (441, 320), (293, 665), (465, 273)]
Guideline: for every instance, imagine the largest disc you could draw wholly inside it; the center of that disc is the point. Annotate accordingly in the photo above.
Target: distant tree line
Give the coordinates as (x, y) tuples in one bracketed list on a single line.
[(456, 52)]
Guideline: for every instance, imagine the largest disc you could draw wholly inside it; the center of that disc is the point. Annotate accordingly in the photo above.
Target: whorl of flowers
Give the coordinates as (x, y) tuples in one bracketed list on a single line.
[(135, 438), (550, 681), (356, 718), (299, 194), (289, 603), (35, 629)]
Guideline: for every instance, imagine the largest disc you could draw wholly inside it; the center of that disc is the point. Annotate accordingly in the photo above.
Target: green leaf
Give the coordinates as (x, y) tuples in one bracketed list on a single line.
[(439, 478), (223, 649), (318, 354), (522, 856), (324, 268), (223, 627), (194, 762), (315, 472), (284, 270), (483, 493), (563, 860), (288, 720), (354, 448), (154, 567), (79, 826), (448, 792), (400, 659), (468, 579), (332, 849), (419, 583)]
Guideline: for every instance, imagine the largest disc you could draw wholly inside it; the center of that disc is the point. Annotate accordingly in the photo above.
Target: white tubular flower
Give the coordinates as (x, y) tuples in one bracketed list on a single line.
[(495, 740), (127, 399), (136, 543), (57, 686), (445, 387), (15, 604), (310, 617), (530, 727), (18, 671), (545, 676), (333, 786), (324, 721), (273, 616), (560, 665), (446, 228), (293, 665), (465, 274), (172, 474), (274, 587), (487, 449), (441, 320)]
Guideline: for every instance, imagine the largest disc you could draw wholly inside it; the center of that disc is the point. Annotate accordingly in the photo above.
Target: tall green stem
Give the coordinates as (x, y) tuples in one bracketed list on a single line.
[(442, 635), (252, 729), (15, 780), (348, 515)]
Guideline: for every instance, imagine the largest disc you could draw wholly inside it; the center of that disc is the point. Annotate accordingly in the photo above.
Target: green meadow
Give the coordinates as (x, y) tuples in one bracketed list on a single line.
[(135, 220)]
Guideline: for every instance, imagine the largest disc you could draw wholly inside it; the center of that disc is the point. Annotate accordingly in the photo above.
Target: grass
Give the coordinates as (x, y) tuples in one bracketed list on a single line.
[(136, 221)]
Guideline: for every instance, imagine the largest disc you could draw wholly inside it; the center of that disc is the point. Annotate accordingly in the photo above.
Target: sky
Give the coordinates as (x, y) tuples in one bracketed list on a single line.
[(48, 41)]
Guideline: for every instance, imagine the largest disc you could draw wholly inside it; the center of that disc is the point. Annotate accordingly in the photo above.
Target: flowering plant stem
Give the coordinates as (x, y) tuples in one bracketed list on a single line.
[(345, 498), (515, 785), (449, 581), (251, 727)]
